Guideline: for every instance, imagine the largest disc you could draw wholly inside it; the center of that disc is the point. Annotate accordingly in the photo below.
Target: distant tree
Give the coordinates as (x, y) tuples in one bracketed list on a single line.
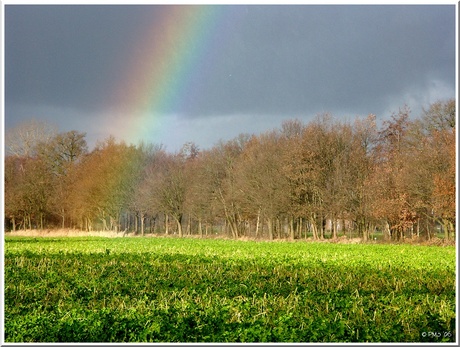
[(359, 167), (291, 129), (200, 200), (392, 202), (102, 184), (189, 151), (60, 154), (444, 201), (413, 179), (14, 200), (222, 160), (327, 167), (303, 169), (295, 180), (28, 180), (260, 180), (419, 166), (189, 154), (22, 140), (440, 115), (140, 198), (435, 149), (63, 150), (28, 189), (168, 187)]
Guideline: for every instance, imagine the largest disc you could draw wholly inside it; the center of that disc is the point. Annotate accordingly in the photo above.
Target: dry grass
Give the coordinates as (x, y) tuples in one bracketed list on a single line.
[(435, 241), (63, 233), (342, 239)]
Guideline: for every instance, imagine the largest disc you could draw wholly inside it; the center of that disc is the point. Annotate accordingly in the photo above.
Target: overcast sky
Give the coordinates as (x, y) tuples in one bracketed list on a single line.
[(252, 67)]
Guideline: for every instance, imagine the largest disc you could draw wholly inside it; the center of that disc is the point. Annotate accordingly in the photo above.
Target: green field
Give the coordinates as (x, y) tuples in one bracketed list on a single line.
[(192, 290)]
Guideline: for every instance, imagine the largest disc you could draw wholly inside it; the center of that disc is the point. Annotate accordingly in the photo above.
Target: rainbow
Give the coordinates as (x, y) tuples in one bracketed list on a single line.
[(181, 47)]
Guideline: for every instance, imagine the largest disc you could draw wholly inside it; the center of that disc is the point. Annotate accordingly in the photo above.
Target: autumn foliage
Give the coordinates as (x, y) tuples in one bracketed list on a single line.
[(323, 179)]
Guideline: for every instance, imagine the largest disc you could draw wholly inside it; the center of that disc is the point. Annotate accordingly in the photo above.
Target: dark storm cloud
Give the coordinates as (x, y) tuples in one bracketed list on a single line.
[(67, 55), (273, 61), (292, 59)]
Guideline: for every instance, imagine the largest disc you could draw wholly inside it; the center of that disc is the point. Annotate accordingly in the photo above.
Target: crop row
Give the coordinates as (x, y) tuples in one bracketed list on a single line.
[(169, 290)]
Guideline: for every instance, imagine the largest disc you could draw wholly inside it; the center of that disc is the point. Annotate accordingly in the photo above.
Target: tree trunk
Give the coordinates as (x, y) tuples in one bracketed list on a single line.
[(428, 233), (297, 229), (279, 229), (104, 224), (257, 223), (200, 229), (314, 227), (179, 224), (321, 228), (63, 218), (152, 225), (301, 227), (334, 228), (365, 234), (234, 229), (115, 222), (231, 221), (27, 222), (291, 227), (445, 225), (386, 231), (270, 228), (189, 225), (88, 222), (166, 224), (448, 227), (141, 216)]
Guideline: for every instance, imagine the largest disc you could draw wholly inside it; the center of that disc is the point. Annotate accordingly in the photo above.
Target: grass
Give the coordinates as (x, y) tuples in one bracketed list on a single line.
[(94, 289)]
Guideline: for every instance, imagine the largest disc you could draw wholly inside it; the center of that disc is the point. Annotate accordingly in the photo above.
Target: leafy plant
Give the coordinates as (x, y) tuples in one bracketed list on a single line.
[(188, 290)]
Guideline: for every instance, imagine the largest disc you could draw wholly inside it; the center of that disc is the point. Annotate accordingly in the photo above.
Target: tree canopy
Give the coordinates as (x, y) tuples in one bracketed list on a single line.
[(316, 180)]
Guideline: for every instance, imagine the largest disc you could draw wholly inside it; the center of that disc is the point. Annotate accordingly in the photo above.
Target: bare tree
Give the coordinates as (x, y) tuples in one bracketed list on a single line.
[(440, 115), (261, 182), (22, 140)]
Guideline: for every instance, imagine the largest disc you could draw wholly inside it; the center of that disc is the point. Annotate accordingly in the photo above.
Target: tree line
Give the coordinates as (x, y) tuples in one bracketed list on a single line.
[(322, 179)]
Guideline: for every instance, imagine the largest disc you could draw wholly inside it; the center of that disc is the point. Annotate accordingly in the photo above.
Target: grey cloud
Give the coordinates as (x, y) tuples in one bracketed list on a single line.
[(67, 55), (296, 58), (278, 61)]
